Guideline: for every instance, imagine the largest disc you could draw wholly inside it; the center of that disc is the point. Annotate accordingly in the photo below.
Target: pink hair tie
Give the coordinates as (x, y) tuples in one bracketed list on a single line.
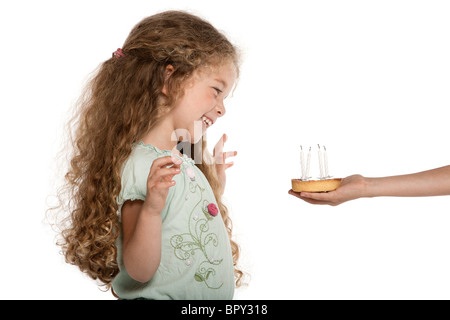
[(118, 54)]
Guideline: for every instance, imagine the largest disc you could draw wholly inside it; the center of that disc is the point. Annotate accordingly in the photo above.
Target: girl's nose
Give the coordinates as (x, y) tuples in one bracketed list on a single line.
[(220, 109)]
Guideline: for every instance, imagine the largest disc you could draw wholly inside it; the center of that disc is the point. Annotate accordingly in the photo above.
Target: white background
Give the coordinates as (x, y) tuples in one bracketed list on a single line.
[(369, 79)]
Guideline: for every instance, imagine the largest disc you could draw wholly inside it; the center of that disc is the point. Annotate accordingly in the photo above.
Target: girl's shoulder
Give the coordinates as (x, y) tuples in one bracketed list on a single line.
[(148, 152), (141, 158), (136, 169), (150, 149), (143, 155)]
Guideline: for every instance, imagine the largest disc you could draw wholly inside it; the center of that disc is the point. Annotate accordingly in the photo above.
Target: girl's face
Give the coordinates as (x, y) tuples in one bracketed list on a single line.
[(203, 101)]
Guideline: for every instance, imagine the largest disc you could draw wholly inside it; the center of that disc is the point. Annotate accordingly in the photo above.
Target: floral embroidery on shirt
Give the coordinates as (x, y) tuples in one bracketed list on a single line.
[(198, 239), (212, 209)]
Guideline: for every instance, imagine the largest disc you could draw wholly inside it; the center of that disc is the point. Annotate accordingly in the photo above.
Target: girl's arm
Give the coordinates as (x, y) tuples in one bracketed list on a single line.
[(427, 183), (141, 221), (141, 240)]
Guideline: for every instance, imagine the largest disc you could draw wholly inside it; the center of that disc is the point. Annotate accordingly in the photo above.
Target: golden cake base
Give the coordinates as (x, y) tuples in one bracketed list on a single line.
[(299, 185)]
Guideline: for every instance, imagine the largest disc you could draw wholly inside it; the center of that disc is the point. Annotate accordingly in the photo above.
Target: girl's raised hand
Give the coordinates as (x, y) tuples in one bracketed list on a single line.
[(220, 158), (159, 181)]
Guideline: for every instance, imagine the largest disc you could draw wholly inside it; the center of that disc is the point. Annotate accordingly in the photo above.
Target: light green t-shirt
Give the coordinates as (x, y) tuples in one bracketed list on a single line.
[(196, 260)]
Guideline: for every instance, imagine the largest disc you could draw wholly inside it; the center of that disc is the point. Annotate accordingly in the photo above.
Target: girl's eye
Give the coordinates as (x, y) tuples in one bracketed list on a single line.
[(217, 90)]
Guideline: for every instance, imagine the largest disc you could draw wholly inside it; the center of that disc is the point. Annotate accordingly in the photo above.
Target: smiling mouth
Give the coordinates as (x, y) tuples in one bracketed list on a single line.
[(207, 121)]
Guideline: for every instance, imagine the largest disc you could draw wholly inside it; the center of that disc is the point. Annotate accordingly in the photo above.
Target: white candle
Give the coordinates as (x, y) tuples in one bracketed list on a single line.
[(325, 160), (308, 162), (302, 160), (320, 162)]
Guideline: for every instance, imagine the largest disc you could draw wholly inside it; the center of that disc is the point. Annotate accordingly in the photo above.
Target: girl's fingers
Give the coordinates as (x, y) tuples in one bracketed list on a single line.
[(165, 174), (218, 153), (228, 165), (220, 159), (165, 184), (176, 161), (229, 154), (163, 170), (163, 162), (218, 148)]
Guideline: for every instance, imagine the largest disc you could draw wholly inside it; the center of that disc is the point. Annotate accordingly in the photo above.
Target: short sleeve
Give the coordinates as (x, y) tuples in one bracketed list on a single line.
[(134, 177), (135, 173)]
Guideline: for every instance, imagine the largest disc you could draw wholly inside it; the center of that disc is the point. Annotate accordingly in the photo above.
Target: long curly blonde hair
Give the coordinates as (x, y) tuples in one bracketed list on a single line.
[(121, 103)]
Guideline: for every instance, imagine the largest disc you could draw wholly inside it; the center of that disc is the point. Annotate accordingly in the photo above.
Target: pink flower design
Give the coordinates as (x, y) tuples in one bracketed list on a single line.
[(190, 173), (212, 209)]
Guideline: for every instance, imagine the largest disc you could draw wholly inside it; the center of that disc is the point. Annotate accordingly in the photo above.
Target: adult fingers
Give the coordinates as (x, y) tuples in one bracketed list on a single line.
[(309, 197), (321, 196)]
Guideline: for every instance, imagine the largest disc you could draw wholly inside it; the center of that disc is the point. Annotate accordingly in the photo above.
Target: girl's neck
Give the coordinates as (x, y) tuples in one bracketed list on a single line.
[(161, 136)]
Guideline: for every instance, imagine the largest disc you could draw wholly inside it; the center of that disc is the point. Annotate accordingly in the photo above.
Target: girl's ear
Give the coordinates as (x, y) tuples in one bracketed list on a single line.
[(167, 73)]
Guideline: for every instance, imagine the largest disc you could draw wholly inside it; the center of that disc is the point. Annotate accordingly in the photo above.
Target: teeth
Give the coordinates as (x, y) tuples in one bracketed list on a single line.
[(207, 121)]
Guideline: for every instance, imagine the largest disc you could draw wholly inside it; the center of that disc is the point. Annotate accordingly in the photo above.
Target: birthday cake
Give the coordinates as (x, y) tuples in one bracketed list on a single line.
[(324, 183), (299, 185)]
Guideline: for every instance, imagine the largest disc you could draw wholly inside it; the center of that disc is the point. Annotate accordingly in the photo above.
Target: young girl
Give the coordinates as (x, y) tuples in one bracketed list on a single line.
[(145, 218)]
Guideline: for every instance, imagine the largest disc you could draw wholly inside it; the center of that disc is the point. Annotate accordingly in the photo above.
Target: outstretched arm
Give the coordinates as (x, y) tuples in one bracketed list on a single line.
[(434, 182)]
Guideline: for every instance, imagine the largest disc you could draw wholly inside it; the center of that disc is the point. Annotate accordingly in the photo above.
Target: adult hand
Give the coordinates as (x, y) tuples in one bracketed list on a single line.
[(352, 187)]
